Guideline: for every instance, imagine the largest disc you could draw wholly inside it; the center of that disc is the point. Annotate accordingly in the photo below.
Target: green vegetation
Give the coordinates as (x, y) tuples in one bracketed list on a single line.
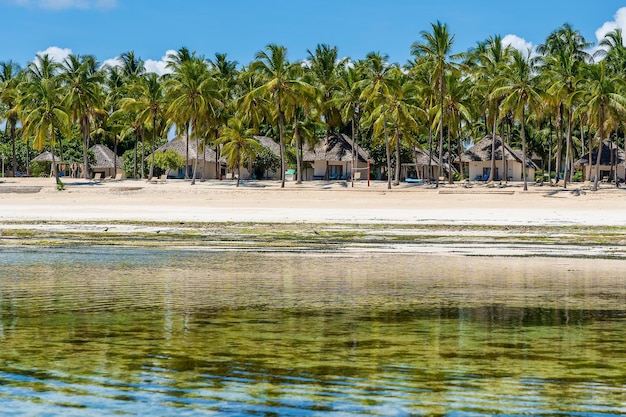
[(592, 241), (558, 103)]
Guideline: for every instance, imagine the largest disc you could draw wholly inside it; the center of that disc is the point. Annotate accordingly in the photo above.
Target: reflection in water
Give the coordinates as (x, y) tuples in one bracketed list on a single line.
[(177, 333)]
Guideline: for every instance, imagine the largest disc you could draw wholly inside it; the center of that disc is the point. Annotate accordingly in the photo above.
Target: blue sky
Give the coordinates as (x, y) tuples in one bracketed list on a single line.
[(107, 28)]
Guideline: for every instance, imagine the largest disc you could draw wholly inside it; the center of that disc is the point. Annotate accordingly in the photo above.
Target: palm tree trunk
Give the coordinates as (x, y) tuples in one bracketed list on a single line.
[(114, 156), (492, 167), (397, 173), (143, 154), (55, 171), (568, 150), (550, 152), (153, 142), (355, 154), (195, 161), (387, 150), (449, 155), (430, 151), (187, 152), (13, 150), (85, 128), (296, 135), (524, 152), (282, 146)]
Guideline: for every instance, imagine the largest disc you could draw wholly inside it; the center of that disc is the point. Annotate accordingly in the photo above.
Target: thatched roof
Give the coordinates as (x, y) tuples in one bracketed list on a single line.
[(481, 152), (178, 145), (269, 144), (336, 147), (608, 148), (105, 158), (45, 157)]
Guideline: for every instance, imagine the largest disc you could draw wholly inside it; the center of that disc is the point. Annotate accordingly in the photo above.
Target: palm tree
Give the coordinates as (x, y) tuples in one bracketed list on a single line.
[(9, 82), (435, 49), (43, 115), (347, 100), (193, 100), (564, 53), (377, 89), (520, 91), (280, 87), (324, 67), (604, 98), (85, 98), (149, 106), (488, 60), (238, 145)]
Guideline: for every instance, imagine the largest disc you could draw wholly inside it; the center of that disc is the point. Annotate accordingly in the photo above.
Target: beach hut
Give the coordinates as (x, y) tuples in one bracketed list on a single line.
[(477, 160), (274, 148), (332, 159), (209, 165), (612, 162), (425, 166), (106, 162)]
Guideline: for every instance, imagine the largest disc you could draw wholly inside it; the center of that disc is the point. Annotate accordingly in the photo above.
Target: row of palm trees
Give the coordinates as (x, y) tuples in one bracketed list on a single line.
[(437, 101)]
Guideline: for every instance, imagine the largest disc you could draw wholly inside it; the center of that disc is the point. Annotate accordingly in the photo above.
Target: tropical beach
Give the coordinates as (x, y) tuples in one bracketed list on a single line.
[(37, 199), (308, 227)]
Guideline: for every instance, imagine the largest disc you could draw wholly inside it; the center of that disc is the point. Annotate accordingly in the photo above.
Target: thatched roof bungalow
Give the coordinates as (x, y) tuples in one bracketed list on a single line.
[(478, 160), (209, 165), (611, 156), (106, 161), (332, 158)]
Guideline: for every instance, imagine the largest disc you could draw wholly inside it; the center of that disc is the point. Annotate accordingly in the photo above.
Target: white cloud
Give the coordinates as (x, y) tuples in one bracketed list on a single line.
[(57, 54), (159, 67), (618, 23), (518, 43), (66, 4), (113, 62)]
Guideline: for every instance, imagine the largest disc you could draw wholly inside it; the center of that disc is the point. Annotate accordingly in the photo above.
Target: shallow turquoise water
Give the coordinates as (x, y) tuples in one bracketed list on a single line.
[(105, 331)]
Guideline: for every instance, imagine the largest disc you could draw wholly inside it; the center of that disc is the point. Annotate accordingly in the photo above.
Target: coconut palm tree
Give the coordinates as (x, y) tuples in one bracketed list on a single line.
[(603, 94), (193, 100), (10, 79), (282, 87), (347, 100), (84, 98), (149, 105), (378, 87), (43, 114), (324, 67), (518, 86), (435, 50), (238, 144), (487, 61), (563, 54)]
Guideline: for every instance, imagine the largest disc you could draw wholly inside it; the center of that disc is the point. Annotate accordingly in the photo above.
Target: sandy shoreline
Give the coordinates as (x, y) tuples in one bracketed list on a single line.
[(36, 199)]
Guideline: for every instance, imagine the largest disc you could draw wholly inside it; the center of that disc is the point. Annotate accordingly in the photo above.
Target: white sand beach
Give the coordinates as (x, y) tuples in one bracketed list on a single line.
[(36, 199)]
